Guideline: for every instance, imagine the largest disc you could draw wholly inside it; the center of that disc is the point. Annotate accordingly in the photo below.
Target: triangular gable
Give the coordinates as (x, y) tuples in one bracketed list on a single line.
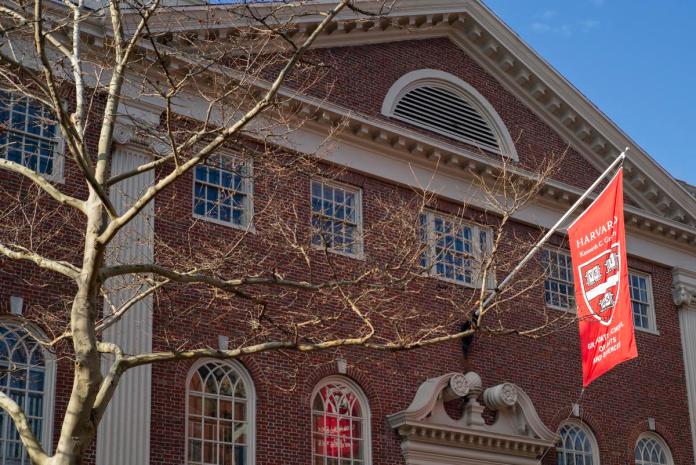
[(483, 36)]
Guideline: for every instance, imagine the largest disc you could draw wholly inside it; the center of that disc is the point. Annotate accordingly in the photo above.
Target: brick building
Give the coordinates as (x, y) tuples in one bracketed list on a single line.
[(396, 82)]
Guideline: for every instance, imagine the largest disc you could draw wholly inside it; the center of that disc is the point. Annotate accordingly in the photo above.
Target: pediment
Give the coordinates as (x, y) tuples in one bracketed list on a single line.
[(516, 435), (668, 207)]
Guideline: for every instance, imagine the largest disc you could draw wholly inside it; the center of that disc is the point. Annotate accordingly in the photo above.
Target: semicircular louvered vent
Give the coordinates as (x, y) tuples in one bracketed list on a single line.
[(447, 113)]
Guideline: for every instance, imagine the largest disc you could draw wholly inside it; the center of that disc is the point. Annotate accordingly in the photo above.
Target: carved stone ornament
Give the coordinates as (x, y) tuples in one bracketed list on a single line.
[(431, 436), (159, 147), (123, 133), (460, 385), (682, 297)]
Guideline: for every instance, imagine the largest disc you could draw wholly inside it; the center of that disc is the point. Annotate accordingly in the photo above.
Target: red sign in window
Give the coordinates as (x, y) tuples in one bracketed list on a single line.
[(338, 429)]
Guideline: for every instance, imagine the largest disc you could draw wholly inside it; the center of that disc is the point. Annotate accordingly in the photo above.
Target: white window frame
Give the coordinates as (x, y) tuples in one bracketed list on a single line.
[(58, 154), (657, 438), (558, 250), (359, 242), (434, 77), (49, 382), (364, 404), (248, 185), (477, 251), (250, 404), (652, 320), (572, 422)]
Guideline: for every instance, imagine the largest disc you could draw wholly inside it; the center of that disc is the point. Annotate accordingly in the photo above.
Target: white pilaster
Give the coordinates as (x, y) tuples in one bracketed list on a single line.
[(124, 433), (684, 293)]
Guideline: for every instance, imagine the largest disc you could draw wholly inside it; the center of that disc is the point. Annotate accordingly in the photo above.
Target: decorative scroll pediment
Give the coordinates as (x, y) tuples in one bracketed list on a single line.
[(431, 436)]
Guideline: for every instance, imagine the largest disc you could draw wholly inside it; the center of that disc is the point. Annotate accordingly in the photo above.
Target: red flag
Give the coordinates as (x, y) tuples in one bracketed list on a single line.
[(598, 251)]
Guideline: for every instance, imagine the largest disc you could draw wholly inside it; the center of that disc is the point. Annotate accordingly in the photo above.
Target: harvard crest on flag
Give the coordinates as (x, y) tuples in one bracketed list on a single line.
[(598, 251)]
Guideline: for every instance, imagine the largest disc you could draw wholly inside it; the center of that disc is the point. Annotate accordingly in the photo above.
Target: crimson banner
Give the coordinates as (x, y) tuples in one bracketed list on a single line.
[(598, 250)]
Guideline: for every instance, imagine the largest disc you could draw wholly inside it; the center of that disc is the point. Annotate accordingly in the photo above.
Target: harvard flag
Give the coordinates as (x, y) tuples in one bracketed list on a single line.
[(598, 251)]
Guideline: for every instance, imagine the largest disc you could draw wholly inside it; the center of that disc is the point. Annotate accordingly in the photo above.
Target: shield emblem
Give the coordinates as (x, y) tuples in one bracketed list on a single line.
[(599, 282)]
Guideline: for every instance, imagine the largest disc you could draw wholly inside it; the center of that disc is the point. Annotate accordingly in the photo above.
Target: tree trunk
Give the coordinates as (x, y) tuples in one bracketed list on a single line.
[(79, 426)]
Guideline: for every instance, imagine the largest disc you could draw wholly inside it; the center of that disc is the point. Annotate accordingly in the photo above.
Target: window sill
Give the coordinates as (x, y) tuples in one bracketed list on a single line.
[(573, 310), (249, 228), (562, 309), (355, 256), (654, 332), (454, 281)]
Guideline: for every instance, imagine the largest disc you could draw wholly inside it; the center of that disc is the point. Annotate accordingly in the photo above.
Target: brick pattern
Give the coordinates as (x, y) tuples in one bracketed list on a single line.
[(616, 407)]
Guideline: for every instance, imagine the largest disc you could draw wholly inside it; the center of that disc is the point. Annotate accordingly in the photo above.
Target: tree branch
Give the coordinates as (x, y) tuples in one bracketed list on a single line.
[(36, 452), (44, 184), (110, 382), (195, 276), (20, 253), (133, 361), (224, 135)]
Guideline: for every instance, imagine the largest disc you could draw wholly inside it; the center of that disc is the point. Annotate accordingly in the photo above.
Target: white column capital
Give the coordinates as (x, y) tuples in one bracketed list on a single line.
[(684, 288)]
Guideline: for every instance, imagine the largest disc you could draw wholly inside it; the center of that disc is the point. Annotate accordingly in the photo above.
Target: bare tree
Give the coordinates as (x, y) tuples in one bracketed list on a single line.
[(282, 284)]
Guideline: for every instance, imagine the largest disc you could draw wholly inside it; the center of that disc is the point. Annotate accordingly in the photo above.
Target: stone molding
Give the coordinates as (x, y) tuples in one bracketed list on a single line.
[(471, 25), (684, 288), (430, 435)]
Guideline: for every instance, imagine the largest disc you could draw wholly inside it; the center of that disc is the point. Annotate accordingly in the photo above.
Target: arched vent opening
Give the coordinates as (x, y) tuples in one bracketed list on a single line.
[(445, 104), (447, 113)]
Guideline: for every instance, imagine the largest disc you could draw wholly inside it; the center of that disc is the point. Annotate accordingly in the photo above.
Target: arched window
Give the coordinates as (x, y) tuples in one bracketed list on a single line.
[(26, 374), (340, 424), (220, 427), (652, 450), (577, 445), (443, 103)]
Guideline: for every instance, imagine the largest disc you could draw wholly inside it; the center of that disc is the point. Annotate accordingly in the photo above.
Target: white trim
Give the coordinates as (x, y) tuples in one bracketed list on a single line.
[(652, 316), (418, 78), (248, 214), (588, 433), (58, 154), (360, 244), (476, 230), (49, 400), (50, 366), (566, 252), (660, 441), (364, 403), (250, 404)]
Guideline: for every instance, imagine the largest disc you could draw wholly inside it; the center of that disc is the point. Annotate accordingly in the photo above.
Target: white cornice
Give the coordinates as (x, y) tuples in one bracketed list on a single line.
[(396, 140), (479, 32)]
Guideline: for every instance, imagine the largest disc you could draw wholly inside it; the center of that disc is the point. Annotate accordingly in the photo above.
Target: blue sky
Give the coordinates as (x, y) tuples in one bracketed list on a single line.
[(635, 59)]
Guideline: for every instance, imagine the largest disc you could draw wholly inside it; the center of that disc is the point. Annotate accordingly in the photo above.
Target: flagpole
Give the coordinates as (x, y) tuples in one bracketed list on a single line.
[(553, 229)]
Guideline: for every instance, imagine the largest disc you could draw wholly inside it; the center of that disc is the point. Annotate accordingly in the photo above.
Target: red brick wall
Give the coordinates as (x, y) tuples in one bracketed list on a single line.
[(616, 407), (359, 78)]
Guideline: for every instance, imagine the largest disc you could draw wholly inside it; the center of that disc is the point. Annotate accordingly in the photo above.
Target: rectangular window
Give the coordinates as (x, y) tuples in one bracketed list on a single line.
[(30, 133), (559, 291), (641, 301), (336, 217), (454, 249), (222, 191)]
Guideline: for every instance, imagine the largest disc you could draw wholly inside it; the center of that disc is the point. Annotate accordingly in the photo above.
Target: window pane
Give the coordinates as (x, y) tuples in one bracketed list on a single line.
[(574, 446), (338, 425), (335, 217), (558, 286), (641, 301), (213, 436), (25, 385), (32, 133), (220, 193), (450, 251)]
